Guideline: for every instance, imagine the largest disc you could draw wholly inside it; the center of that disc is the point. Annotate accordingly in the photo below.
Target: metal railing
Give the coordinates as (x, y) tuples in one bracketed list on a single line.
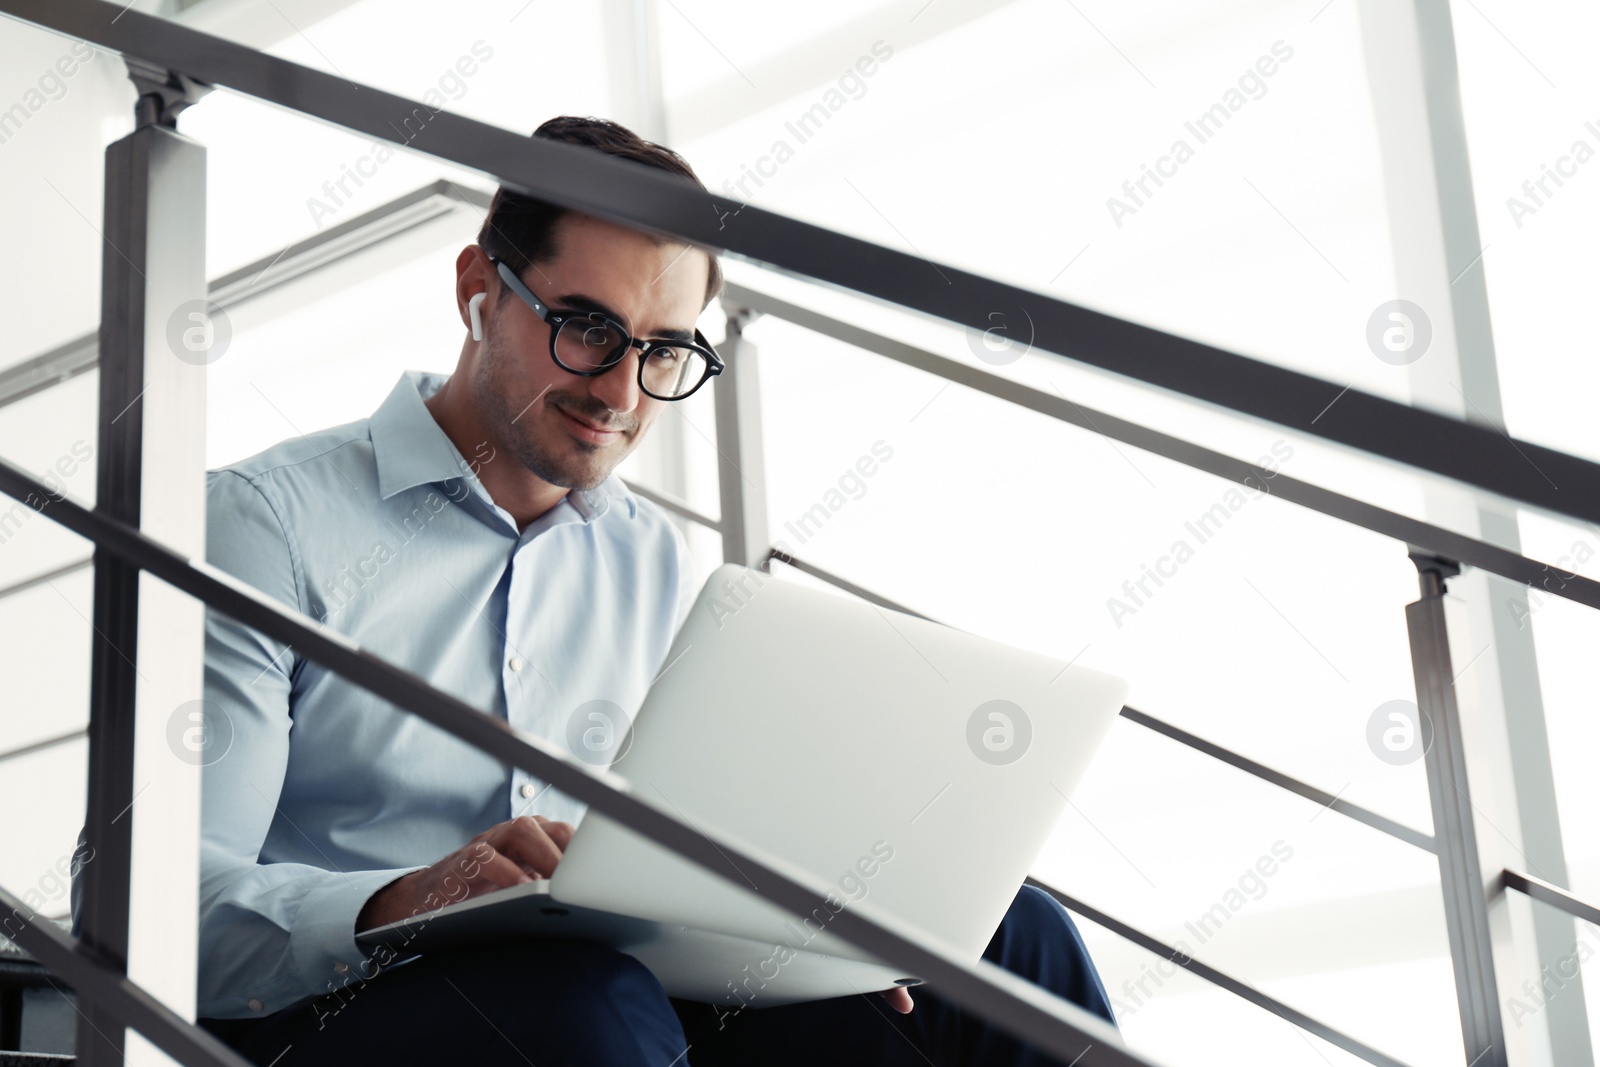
[(367, 234), (1476, 456)]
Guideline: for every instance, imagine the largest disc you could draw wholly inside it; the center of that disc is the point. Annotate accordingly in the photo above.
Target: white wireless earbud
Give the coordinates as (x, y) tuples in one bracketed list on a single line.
[(476, 316)]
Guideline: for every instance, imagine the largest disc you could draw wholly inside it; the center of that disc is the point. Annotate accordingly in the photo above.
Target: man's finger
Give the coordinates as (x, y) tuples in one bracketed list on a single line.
[(497, 872), (899, 999), (559, 832), (526, 842)]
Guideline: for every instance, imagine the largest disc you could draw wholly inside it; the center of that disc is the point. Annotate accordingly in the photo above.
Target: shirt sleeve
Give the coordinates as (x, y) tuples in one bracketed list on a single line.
[(271, 934)]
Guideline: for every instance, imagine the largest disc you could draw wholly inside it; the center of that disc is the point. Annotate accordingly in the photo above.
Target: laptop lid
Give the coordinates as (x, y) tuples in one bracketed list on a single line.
[(917, 768)]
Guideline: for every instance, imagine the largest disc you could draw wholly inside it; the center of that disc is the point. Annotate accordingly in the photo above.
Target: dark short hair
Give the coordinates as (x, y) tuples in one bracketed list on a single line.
[(522, 229)]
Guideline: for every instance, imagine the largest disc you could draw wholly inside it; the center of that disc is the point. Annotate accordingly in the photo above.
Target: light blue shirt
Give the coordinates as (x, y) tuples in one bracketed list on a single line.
[(324, 793)]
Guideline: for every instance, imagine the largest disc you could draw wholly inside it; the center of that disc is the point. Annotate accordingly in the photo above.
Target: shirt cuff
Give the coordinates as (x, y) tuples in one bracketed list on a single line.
[(322, 942)]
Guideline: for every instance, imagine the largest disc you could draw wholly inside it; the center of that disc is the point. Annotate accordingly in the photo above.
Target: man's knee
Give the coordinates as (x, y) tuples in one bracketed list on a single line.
[(1033, 917), (1039, 941)]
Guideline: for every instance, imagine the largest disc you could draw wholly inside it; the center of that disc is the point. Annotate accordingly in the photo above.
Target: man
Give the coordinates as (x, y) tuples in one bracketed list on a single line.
[(473, 532)]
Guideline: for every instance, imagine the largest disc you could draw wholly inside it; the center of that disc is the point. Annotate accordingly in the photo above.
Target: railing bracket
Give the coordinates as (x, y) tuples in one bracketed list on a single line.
[(163, 93)]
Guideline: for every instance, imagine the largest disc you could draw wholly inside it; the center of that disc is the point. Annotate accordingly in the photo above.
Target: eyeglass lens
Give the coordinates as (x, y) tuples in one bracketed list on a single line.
[(589, 343)]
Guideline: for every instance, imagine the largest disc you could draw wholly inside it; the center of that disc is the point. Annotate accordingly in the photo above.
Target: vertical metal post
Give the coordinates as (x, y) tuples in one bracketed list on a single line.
[(1439, 262), (633, 66), (633, 81), (146, 651), (741, 463), (1466, 896)]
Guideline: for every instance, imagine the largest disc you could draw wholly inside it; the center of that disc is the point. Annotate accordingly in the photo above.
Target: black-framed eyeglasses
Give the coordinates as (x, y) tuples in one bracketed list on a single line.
[(590, 343)]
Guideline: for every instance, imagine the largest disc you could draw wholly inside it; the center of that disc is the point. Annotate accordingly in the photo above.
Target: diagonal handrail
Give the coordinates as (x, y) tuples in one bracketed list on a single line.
[(70, 960), (1329, 801), (1030, 1013), (1480, 456), (1221, 979), (1437, 540)]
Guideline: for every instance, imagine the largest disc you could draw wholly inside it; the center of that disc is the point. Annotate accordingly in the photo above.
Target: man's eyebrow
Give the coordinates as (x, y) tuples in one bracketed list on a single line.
[(580, 302)]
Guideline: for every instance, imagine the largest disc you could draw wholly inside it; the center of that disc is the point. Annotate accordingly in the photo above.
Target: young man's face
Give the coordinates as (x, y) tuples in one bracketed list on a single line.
[(569, 430)]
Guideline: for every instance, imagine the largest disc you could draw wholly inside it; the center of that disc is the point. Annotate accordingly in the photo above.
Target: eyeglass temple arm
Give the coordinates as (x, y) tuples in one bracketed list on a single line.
[(717, 362), (509, 276)]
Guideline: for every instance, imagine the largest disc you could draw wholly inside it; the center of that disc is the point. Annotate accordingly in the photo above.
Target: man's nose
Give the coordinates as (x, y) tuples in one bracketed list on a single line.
[(618, 388)]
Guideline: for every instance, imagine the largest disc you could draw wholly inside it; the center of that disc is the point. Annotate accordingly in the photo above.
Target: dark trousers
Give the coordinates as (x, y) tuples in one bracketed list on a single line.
[(563, 1003)]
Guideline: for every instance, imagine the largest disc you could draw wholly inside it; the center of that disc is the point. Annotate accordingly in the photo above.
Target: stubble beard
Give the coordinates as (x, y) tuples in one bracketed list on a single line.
[(573, 464)]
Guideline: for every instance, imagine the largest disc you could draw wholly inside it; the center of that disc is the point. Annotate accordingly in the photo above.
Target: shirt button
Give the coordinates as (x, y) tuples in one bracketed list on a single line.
[(340, 967), (255, 1005), (526, 790), (516, 663)]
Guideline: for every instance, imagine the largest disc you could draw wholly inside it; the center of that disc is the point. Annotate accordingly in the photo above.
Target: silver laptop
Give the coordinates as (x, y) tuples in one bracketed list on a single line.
[(916, 768)]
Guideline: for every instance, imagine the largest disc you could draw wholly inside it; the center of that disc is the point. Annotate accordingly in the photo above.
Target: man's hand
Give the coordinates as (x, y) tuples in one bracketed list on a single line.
[(511, 853), (899, 999)]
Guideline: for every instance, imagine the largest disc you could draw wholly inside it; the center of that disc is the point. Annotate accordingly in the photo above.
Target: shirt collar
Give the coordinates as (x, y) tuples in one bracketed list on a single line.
[(593, 503), (411, 449)]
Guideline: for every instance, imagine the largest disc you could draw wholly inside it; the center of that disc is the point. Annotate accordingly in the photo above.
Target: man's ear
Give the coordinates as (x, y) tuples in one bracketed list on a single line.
[(472, 287)]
